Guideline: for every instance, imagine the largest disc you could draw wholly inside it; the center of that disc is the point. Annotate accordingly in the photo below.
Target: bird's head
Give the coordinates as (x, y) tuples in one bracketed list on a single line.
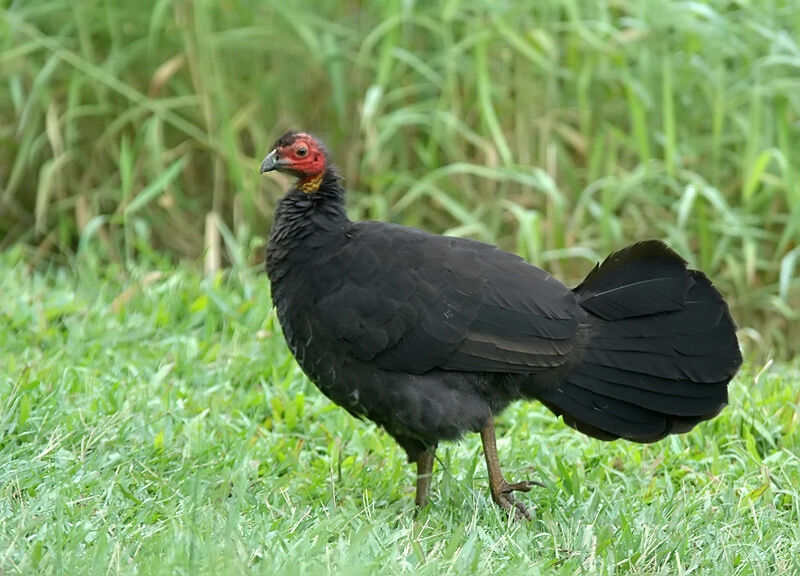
[(299, 154)]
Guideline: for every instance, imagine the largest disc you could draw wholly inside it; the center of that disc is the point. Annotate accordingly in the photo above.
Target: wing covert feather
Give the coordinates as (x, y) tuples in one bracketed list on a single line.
[(414, 302)]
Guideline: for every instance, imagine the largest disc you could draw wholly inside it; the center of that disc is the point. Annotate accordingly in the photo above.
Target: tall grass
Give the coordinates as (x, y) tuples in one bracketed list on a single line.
[(562, 130)]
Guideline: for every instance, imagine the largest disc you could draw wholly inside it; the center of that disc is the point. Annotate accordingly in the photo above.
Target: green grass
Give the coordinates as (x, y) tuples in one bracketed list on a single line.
[(153, 422), (559, 129)]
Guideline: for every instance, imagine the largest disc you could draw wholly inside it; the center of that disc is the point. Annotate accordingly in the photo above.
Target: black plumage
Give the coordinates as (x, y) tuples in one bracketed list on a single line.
[(430, 336)]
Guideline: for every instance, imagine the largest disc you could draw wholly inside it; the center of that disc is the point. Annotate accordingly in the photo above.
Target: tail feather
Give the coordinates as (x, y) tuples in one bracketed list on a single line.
[(616, 290), (674, 366), (660, 349), (656, 401), (647, 382), (613, 417), (717, 340)]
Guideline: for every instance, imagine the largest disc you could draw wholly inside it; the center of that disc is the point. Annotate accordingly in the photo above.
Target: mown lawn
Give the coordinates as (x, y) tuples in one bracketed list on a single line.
[(157, 425)]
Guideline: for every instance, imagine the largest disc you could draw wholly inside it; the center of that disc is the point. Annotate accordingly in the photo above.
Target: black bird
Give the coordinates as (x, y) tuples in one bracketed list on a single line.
[(431, 336)]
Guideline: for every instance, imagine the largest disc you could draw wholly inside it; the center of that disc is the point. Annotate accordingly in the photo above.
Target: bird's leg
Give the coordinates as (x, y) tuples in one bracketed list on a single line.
[(500, 488), (424, 473)]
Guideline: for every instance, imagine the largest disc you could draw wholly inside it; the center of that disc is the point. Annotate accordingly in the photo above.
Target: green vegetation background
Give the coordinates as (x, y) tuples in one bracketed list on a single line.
[(560, 129), (151, 420)]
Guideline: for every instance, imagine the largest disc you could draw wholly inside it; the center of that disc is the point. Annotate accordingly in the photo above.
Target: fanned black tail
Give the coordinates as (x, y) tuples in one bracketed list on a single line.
[(660, 349)]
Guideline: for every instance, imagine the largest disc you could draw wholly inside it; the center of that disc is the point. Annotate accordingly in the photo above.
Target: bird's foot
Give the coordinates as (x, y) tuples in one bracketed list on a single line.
[(504, 498), (500, 488)]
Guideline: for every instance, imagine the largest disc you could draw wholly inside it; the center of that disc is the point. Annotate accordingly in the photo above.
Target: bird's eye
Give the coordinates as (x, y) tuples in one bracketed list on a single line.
[(301, 152)]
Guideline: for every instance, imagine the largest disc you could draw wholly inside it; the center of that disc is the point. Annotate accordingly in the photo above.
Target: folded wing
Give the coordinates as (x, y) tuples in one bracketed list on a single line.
[(447, 303)]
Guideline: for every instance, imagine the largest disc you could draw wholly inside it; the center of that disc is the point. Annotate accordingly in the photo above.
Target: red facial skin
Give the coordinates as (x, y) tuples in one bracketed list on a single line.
[(305, 166)]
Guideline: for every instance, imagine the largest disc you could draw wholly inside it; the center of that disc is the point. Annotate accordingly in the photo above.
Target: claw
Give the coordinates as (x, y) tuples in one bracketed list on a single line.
[(505, 499)]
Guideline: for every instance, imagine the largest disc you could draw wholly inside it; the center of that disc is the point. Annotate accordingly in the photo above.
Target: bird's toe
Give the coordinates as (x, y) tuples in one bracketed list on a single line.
[(505, 499), (523, 486), (521, 512), (513, 506)]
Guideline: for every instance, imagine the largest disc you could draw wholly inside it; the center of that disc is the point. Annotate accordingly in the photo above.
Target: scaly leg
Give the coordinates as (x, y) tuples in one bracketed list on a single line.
[(424, 473), (501, 489)]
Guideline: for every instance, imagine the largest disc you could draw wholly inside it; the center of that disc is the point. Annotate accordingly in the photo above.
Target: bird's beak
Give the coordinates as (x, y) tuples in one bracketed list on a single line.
[(271, 162)]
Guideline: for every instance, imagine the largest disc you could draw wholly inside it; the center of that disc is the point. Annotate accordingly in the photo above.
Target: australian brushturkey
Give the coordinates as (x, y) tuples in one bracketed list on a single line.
[(431, 336)]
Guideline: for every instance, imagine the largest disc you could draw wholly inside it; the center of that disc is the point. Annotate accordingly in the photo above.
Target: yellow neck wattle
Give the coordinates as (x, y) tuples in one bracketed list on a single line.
[(311, 185)]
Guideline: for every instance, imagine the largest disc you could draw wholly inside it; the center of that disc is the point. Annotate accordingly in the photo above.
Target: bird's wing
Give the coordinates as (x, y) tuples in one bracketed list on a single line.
[(412, 302)]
